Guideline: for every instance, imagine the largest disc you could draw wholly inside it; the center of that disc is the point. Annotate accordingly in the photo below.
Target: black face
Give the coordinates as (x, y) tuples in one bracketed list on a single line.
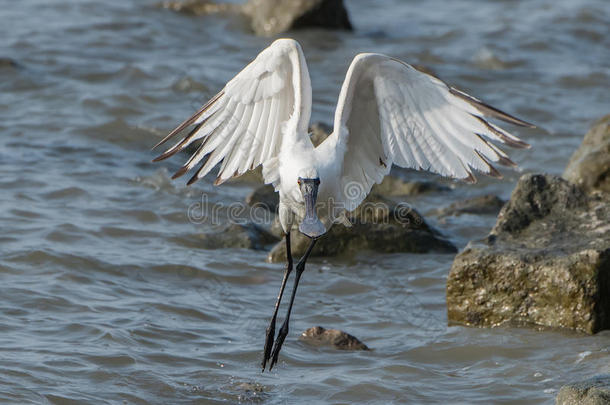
[(311, 225)]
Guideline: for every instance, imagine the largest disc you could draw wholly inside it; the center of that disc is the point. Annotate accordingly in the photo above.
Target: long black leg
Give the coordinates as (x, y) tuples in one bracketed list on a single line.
[(284, 329), (270, 335)]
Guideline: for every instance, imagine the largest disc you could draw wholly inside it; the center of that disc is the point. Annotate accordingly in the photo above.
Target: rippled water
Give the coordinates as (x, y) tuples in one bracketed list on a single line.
[(106, 294)]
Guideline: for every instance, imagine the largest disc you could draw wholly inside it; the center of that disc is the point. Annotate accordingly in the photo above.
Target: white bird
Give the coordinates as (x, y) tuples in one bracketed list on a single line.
[(388, 113)]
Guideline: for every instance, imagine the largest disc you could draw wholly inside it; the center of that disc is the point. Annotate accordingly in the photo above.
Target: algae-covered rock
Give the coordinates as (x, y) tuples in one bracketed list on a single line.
[(377, 224), (589, 166), (546, 262), (338, 339), (594, 391)]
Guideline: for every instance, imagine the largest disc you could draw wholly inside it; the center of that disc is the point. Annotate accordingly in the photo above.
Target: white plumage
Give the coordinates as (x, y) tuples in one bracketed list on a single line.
[(388, 113)]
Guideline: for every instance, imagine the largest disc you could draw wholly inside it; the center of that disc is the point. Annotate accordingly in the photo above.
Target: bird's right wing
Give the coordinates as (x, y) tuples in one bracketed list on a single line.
[(390, 113), (242, 125)]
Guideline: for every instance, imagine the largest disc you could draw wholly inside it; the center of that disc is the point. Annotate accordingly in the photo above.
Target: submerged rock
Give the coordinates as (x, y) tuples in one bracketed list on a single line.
[(594, 391), (338, 339), (377, 224), (483, 205), (546, 262), (251, 393), (589, 166), (8, 63), (245, 236), (270, 17)]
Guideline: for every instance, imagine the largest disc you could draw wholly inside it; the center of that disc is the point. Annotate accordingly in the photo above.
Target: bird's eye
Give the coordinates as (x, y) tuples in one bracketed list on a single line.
[(299, 182)]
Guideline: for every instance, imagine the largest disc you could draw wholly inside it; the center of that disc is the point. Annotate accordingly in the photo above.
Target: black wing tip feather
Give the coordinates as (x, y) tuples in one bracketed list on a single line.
[(471, 179), (190, 120), (164, 155), (492, 171), (489, 110), (192, 180), (510, 141), (180, 172), (505, 161)]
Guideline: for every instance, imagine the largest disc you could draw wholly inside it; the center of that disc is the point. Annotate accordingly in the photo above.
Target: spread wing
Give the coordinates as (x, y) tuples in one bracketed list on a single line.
[(390, 113), (242, 125)]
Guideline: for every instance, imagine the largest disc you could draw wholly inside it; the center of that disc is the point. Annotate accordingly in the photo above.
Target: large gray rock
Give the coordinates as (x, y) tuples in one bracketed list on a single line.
[(589, 166), (201, 7), (271, 17), (594, 391), (379, 225), (546, 262)]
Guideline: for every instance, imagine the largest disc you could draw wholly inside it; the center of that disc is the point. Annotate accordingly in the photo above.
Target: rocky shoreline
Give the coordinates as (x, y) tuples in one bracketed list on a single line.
[(546, 262)]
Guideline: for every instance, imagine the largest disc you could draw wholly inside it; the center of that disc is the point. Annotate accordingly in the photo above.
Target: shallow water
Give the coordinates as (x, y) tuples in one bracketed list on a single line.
[(106, 295)]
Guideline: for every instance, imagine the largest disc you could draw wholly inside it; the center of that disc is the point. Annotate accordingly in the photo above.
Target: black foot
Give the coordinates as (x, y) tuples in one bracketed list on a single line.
[(268, 343), (279, 341)]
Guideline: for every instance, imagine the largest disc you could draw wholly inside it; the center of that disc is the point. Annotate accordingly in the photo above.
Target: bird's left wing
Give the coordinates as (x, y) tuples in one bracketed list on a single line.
[(242, 125), (391, 113)]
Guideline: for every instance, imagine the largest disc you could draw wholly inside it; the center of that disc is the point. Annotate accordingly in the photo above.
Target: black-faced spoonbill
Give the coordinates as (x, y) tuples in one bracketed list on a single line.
[(388, 113)]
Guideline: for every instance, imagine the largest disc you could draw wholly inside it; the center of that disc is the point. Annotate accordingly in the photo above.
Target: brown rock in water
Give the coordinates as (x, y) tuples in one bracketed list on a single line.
[(546, 262), (483, 205), (271, 17), (594, 391), (8, 63), (201, 7), (320, 336), (377, 224), (589, 166)]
